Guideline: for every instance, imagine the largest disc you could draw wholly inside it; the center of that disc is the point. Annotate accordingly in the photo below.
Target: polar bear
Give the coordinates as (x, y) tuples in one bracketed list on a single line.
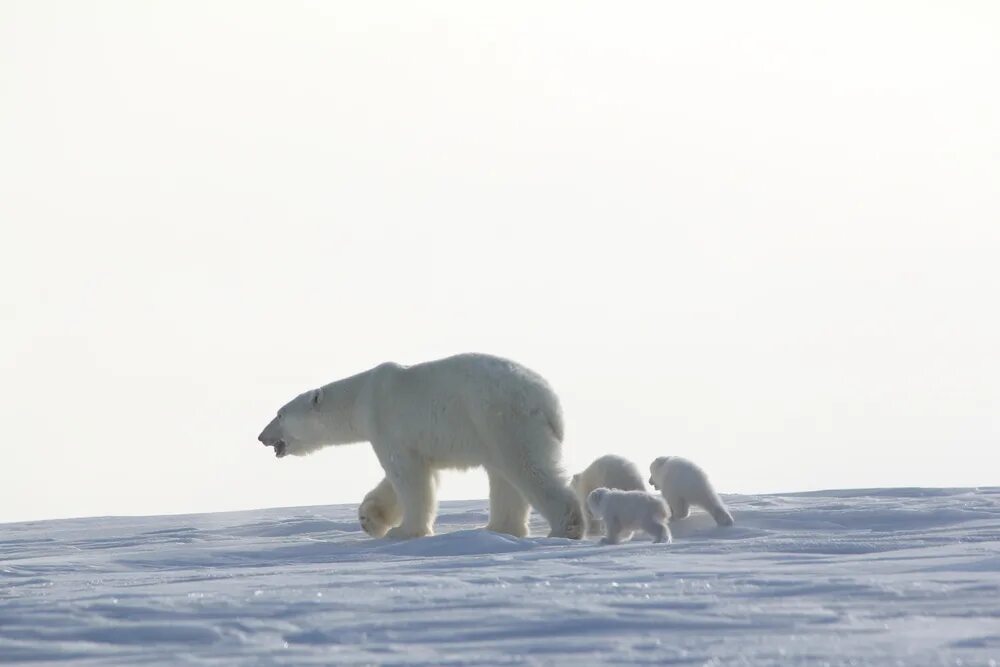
[(683, 484), (461, 412), (611, 472), (626, 511)]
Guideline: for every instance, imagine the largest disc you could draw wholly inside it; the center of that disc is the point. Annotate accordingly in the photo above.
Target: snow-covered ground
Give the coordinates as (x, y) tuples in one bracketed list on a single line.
[(900, 576)]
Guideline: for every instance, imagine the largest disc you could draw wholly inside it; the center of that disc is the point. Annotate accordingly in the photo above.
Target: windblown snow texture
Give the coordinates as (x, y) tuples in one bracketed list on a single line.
[(838, 577)]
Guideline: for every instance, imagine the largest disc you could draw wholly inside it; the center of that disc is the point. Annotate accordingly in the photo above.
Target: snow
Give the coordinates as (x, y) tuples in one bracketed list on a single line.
[(886, 576)]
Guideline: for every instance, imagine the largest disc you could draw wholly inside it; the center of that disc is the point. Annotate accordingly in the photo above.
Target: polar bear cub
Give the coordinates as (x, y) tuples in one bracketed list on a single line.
[(683, 484), (624, 512), (608, 471)]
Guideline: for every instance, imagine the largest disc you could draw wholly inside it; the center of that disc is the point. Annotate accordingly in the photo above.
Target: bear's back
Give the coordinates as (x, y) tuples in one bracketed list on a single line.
[(613, 472)]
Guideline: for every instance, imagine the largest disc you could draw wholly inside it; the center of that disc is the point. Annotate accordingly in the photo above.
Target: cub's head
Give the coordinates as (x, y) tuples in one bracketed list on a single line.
[(654, 468), (594, 500), (299, 428)]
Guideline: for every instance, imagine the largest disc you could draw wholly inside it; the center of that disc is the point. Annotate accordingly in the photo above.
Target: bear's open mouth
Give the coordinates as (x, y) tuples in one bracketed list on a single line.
[(279, 448)]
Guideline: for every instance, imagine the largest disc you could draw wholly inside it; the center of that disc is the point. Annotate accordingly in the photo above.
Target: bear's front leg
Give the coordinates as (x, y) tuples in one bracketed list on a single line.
[(380, 510), (415, 487)]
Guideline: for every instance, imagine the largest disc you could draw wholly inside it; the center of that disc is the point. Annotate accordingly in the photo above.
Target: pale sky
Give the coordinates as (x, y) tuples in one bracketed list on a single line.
[(765, 236)]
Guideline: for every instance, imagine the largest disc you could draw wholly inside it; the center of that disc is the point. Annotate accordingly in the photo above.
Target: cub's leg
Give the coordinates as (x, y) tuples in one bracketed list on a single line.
[(658, 529), (616, 532)]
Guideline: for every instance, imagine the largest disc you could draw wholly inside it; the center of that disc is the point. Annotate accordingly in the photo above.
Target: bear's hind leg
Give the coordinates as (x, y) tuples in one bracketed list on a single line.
[(508, 508), (553, 500), (718, 510), (529, 461), (679, 508)]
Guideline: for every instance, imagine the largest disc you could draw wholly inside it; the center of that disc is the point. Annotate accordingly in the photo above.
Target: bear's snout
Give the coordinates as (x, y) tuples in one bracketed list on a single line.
[(280, 446), (271, 437), (271, 433)]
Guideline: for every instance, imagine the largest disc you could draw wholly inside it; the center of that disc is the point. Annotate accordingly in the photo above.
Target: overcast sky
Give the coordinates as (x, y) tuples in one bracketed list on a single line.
[(765, 236)]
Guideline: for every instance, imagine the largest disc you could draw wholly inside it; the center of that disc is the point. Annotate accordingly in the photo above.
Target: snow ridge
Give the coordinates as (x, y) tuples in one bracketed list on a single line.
[(869, 576)]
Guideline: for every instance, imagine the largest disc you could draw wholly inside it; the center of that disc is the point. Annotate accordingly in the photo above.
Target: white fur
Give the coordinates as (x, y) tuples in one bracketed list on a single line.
[(611, 472), (624, 512), (379, 511), (460, 412), (683, 484)]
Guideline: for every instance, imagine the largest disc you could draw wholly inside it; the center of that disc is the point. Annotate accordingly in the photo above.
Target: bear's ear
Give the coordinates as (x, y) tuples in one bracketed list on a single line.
[(317, 397)]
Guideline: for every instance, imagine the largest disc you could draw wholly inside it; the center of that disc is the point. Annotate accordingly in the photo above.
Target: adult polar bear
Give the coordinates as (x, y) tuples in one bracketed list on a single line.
[(461, 412)]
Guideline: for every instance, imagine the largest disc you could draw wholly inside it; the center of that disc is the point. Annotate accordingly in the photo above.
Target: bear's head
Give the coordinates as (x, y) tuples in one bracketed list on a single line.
[(654, 467), (299, 428)]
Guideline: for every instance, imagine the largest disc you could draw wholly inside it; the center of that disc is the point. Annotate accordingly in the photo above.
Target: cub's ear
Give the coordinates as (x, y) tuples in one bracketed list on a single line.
[(317, 397)]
